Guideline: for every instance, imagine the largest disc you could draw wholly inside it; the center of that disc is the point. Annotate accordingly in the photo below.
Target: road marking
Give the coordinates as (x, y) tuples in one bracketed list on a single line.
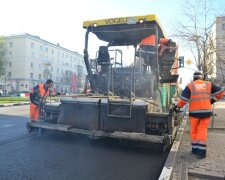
[(7, 125), (168, 167)]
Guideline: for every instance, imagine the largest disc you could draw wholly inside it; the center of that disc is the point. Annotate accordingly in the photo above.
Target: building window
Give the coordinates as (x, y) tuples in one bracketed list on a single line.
[(31, 75), (10, 44), (32, 54), (40, 48), (32, 45), (9, 74), (31, 64), (52, 52), (40, 57), (46, 49), (39, 76), (10, 53), (10, 64), (39, 66), (223, 26)]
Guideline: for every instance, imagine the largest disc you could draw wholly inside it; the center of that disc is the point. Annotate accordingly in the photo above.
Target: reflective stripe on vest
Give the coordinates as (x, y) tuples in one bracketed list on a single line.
[(200, 97), (218, 92), (184, 98), (201, 111), (197, 99)]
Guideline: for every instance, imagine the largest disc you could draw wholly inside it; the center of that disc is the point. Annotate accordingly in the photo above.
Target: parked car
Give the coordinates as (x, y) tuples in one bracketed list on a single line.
[(58, 94), (23, 93)]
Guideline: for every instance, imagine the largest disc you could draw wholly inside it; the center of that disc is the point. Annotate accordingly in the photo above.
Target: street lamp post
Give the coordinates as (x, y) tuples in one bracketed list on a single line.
[(5, 83)]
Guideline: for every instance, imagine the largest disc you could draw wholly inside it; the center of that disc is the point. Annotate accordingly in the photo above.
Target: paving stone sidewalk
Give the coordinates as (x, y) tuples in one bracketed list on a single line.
[(187, 166)]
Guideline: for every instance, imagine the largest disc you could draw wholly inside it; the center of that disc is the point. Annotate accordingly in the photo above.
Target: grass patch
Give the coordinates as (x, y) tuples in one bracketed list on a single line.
[(5, 100)]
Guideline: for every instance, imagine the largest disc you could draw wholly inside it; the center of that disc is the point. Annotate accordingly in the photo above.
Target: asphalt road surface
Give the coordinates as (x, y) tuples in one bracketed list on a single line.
[(62, 156)]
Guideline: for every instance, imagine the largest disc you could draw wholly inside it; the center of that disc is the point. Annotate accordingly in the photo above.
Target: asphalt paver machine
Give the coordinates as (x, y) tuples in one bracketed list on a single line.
[(122, 99)]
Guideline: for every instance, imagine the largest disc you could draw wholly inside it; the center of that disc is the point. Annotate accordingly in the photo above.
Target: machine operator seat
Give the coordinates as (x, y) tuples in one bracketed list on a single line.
[(103, 56)]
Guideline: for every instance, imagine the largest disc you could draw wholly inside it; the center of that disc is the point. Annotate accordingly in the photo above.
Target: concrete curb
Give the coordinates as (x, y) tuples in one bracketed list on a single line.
[(205, 175), (14, 104), (19, 104), (168, 167)]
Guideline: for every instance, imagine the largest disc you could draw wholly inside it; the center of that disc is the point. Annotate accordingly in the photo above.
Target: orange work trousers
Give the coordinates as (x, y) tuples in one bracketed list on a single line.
[(34, 112), (199, 128)]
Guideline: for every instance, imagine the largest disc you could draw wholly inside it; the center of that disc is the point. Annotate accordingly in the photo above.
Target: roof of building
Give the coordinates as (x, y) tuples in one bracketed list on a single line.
[(42, 40)]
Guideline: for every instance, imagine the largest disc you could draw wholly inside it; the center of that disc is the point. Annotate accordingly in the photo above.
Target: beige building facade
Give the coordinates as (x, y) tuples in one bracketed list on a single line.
[(31, 60), (219, 56)]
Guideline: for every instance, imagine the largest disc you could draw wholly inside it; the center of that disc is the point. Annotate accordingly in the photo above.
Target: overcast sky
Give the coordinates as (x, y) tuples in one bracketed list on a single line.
[(60, 21)]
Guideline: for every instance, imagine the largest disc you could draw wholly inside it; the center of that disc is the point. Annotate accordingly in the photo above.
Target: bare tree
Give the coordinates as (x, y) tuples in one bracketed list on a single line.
[(195, 30), (2, 55)]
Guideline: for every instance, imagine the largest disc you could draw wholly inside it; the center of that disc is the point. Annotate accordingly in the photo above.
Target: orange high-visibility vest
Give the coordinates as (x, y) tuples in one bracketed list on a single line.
[(44, 94), (199, 101), (150, 40)]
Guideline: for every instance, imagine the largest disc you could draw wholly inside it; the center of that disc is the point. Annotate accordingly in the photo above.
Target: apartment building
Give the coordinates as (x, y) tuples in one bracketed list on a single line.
[(219, 55), (31, 60)]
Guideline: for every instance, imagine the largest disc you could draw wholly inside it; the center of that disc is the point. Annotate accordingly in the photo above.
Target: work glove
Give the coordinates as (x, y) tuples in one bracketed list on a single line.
[(176, 108), (212, 101)]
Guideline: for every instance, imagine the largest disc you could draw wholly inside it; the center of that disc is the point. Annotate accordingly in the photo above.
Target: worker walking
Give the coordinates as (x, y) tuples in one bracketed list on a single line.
[(38, 96), (201, 95)]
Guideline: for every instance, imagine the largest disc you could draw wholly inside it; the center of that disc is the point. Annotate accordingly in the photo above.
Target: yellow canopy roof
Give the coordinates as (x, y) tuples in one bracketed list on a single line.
[(125, 30)]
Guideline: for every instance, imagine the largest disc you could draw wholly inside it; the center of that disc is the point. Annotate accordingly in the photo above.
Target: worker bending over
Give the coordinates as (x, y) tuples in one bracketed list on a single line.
[(38, 96)]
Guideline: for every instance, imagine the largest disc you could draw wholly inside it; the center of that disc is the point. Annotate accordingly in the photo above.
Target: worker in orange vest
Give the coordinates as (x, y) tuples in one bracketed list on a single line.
[(38, 96), (164, 41), (201, 95), (149, 41), (147, 51)]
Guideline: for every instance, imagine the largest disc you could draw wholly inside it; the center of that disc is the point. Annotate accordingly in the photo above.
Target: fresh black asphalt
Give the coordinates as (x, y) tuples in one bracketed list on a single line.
[(60, 156)]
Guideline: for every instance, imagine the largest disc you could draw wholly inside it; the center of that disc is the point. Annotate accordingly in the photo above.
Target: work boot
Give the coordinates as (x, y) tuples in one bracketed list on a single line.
[(201, 156), (194, 151)]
